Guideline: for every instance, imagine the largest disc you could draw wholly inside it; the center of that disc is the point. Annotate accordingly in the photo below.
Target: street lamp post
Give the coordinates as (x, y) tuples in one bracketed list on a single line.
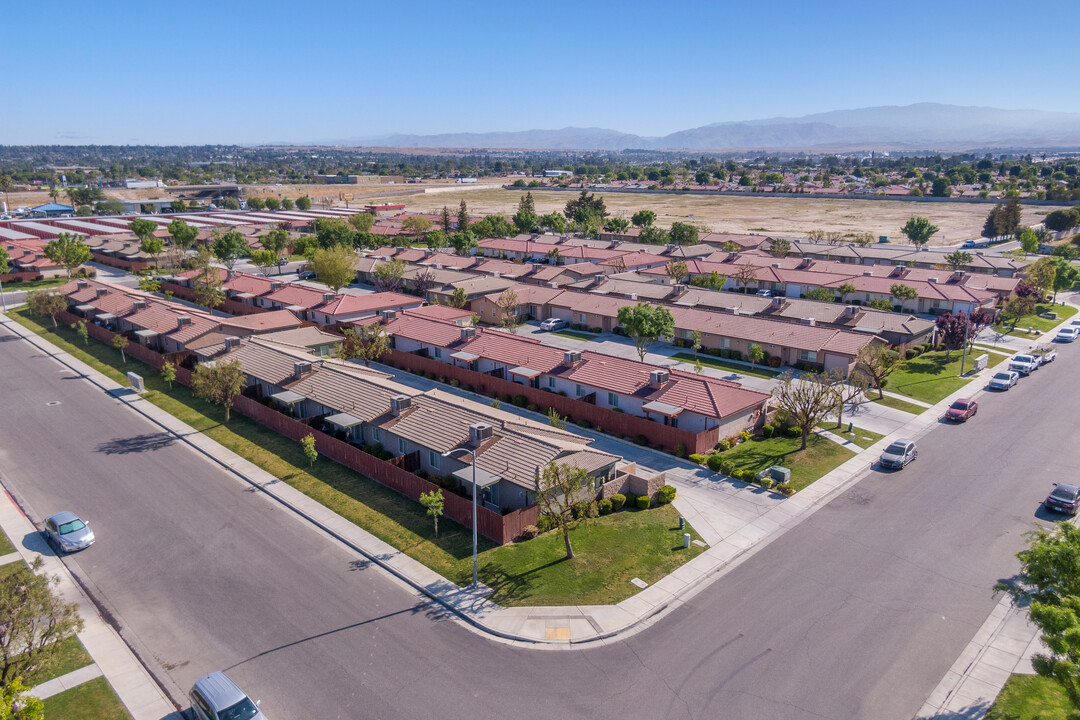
[(475, 584)]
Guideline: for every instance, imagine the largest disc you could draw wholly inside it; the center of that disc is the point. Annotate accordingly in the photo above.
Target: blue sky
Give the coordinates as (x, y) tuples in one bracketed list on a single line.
[(245, 72)]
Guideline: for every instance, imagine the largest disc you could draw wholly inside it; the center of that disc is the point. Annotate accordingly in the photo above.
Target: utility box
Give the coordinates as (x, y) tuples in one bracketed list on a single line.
[(981, 362), (883, 238), (780, 474), (136, 382)]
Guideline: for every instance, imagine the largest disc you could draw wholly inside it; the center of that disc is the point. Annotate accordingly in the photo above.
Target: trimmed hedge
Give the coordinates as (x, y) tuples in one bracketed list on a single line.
[(617, 502), (666, 494), (643, 502)]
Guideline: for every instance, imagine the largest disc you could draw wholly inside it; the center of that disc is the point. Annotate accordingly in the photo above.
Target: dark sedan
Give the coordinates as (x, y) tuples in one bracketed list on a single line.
[(961, 410), (1064, 499)]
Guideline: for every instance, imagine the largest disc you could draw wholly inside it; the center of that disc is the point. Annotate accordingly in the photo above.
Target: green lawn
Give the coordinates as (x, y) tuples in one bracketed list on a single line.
[(863, 438), (898, 404), (1064, 312), (575, 334), (820, 456), (5, 544), (70, 655), (930, 377), (1030, 697), (36, 285), (93, 700), (714, 362), (379, 510)]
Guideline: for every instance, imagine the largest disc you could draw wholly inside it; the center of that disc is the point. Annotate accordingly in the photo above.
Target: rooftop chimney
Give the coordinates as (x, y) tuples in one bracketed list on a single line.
[(399, 404), (479, 432), (301, 368)]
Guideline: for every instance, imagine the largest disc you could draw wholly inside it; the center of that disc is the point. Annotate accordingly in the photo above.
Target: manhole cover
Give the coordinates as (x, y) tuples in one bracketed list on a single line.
[(52, 403)]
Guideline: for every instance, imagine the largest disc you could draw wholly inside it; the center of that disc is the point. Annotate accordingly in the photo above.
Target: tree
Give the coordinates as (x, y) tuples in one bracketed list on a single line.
[(444, 220), (308, 444), (362, 222), (81, 330), (459, 298), (617, 225), (17, 704), (1065, 276), (553, 221), (958, 259), (229, 247), (880, 304), (780, 248), (142, 228), (846, 393), (1062, 220), (433, 501), (120, 342), (507, 303), (646, 324), (335, 231), (1029, 241), (1018, 306), (683, 234), (584, 207), (387, 276), (903, 292), (367, 343), (953, 330), (34, 620), (845, 290), (755, 354), (423, 281), (677, 271), (68, 251), (153, 246), (643, 218), (255, 203), (286, 204), (207, 284), (744, 275), (1049, 580), (558, 489), (695, 342), (168, 372), (526, 219), (45, 302), (463, 216), (876, 362), (264, 260), (303, 203), (862, 239), (272, 203), (806, 400), (110, 207), (820, 294), (1068, 252), (463, 243), (941, 187), (919, 230), (183, 235), (5, 260), (556, 420), (219, 382), (336, 267), (416, 225), (1041, 276), (230, 203), (1003, 220)]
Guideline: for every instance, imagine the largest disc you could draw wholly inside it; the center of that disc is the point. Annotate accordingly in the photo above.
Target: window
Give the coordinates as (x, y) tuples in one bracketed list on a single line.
[(438, 352), (433, 459), (551, 381), (808, 356), (581, 318), (579, 390), (612, 399), (494, 312), (402, 446), (375, 434), (725, 343)]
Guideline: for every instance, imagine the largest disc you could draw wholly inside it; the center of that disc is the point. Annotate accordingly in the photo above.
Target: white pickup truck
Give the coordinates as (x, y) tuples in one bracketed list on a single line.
[(1024, 364)]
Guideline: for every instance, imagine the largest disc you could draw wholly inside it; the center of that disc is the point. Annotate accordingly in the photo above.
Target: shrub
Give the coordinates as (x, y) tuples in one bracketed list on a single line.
[(666, 494), (747, 475), (604, 507), (767, 431), (545, 523), (641, 440), (733, 440), (715, 352), (507, 398), (643, 502), (736, 355), (617, 502), (454, 382), (911, 354), (697, 458), (680, 451), (467, 387), (774, 362), (532, 406), (714, 462), (429, 376), (580, 509), (723, 445), (727, 468), (518, 400), (784, 489), (766, 482), (597, 330), (631, 500), (744, 436), (792, 431), (529, 532), (442, 378)]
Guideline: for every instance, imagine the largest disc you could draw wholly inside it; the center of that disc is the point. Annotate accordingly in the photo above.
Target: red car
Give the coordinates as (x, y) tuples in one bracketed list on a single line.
[(961, 410)]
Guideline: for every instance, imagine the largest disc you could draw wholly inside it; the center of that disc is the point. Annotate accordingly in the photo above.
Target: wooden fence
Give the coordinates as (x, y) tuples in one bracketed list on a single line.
[(630, 426)]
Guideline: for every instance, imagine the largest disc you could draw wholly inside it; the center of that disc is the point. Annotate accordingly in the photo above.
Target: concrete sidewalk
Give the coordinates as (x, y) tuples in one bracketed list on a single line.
[(112, 657)]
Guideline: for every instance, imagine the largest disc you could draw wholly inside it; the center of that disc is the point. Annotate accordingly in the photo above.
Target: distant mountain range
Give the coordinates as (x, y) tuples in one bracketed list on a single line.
[(923, 126)]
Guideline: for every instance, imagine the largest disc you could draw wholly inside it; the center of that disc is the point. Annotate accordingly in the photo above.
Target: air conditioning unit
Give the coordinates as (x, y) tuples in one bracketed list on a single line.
[(480, 432), (571, 357), (389, 315), (140, 304), (232, 343), (659, 377), (468, 333), (81, 284), (101, 292), (399, 404), (183, 321), (276, 285), (778, 302), (868, 273), (328, 297), (300, 369), (851, 310)]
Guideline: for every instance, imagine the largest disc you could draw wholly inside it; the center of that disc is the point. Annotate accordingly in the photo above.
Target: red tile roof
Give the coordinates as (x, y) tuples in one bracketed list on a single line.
[(352, 304)]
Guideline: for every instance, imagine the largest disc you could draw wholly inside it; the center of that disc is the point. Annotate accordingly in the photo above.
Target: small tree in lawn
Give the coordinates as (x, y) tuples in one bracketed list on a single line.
[(845, 290), (168, 372), (806, 400), (919, 230), (433, 501), (646, 324), (336, 267), (80, 330), (755, 354), (364, 342), (68, 250), (556, 420), (846, 392), (219, 382), (903, 292), (876, 362), (695, 342), (44, 302), (953, 330), (507, 304), (744, 275), (308, 443), (120, 342), (558, 488), (153, 246)]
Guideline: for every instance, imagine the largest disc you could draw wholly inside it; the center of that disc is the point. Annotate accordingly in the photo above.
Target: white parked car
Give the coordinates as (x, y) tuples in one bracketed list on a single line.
[(1067, 334), (1024, 363), (553, 324), (1004, 380)]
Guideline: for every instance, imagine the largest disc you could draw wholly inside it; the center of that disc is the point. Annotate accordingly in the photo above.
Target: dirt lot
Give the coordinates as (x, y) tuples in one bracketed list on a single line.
[(777, 215)]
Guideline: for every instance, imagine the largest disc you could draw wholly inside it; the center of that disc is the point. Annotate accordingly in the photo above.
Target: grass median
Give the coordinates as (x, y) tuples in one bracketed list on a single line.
[(933, 376), (518, 577), (1034, 322), (718, 364), (93, 700), (863, 438), (1030, 697), (820, 456)]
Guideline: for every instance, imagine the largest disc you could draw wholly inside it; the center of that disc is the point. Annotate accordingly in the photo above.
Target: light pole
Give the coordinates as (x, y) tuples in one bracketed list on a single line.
[(967, 331), (474, 494)]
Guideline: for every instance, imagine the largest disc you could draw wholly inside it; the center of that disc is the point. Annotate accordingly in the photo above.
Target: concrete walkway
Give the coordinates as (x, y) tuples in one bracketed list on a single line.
[(66, 682), (112, 657)]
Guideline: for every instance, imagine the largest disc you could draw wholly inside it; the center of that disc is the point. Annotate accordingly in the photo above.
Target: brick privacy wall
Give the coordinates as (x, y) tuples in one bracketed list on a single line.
[(135, 265), (629, 426), (635, 484), (498, 528), (25, 276), (232, 307)]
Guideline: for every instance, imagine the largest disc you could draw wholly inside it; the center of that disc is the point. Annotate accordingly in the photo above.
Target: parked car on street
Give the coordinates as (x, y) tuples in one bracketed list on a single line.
[(1004, 380), (899, 454), (553, 324), (961, 410), (216, 697), (765, 293), (1067, 335), (66, 532), (1063, 498), (1024, 363)]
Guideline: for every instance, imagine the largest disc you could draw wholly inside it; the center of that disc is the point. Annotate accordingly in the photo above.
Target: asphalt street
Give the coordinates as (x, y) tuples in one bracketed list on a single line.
[(856, 613)]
